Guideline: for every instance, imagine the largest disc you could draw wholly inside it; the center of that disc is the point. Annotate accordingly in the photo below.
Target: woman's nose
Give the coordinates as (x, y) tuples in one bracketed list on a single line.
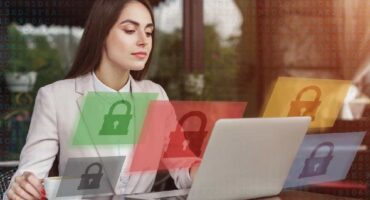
[(142, 39)]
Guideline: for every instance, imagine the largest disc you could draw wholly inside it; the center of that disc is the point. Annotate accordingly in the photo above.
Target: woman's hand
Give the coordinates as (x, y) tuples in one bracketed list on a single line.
[(27, 186), (194, 170)]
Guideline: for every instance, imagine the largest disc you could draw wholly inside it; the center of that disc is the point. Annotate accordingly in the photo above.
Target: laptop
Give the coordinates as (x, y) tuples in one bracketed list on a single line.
[(246, 158)]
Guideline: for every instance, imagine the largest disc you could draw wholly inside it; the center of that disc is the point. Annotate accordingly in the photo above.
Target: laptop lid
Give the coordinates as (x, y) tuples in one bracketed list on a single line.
[(248, 158)]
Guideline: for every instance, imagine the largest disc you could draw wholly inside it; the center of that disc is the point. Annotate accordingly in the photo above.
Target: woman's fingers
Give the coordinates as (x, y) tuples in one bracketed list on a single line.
[(27, 187), (12, 195), (34, 181), (21, 192)]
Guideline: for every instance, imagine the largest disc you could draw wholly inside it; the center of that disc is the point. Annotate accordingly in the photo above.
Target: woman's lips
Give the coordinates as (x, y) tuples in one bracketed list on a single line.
[(140, 55)]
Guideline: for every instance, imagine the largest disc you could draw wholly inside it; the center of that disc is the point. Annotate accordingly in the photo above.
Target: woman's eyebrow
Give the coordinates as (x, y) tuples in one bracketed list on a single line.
[(136, 23)]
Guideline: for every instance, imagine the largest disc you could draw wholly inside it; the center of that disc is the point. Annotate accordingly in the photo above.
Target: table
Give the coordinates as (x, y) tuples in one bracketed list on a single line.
[(284, 195), (292, 195)]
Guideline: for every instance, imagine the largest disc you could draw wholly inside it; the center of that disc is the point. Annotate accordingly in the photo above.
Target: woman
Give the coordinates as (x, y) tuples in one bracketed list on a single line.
[(113, 55)]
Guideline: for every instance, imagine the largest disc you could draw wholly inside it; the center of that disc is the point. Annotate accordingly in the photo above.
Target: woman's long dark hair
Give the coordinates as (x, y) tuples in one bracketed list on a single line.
[(103, 15)]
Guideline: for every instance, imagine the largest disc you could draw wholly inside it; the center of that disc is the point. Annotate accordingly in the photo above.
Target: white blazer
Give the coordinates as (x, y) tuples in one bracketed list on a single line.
[(55, 113)]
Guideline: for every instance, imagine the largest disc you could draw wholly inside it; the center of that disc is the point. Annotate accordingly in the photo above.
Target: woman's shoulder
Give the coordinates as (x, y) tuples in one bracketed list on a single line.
[(59, 93), (60, 85)]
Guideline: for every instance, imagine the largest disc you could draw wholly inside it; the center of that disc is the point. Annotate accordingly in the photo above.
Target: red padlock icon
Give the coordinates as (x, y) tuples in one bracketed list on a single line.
[(187, 143)]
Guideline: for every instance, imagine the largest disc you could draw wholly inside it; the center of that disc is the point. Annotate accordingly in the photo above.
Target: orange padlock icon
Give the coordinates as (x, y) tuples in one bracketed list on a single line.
[(183, 141), (305, 108)]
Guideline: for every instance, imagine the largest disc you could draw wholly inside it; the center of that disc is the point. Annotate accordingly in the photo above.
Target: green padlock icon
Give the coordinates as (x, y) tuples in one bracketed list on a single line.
[(305, 108), (117, 124)]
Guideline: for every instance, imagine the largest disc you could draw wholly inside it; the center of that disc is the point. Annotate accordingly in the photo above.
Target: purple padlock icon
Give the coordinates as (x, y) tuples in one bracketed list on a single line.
[(315, 166)]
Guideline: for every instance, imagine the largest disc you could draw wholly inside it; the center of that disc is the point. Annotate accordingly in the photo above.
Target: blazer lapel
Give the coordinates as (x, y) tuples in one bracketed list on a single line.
[(83, 85)]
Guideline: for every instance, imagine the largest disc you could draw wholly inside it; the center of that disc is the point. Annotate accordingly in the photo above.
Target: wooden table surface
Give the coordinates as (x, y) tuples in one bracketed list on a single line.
[(284, 195)]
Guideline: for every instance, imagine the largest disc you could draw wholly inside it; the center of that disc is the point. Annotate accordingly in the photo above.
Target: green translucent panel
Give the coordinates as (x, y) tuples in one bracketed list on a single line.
[(108, 118)]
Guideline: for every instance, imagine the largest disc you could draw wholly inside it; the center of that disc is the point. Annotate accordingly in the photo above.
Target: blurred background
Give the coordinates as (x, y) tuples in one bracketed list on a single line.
[(215, 50)]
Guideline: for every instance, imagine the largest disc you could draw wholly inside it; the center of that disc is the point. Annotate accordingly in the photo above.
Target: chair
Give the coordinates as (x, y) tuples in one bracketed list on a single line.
[(163, 180), (5, 178)]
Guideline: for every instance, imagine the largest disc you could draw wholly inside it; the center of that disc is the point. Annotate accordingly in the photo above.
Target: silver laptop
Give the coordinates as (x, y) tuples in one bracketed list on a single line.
[(245, 158), (248, 158)]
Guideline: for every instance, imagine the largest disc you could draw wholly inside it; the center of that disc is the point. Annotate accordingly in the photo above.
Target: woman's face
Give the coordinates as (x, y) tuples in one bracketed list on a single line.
[(129, 41)]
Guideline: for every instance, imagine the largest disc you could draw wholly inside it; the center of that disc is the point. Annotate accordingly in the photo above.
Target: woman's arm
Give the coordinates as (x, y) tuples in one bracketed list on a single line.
[(41, 147)]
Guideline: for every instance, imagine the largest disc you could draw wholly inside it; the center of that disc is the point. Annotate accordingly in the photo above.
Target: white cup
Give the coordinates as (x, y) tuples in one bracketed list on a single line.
[(51, 185)]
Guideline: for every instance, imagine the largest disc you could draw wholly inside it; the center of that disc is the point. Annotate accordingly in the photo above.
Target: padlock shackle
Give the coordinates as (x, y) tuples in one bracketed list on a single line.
[(87, 170), (328, 144), (124, 102), (311, 87), (199, 114)]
